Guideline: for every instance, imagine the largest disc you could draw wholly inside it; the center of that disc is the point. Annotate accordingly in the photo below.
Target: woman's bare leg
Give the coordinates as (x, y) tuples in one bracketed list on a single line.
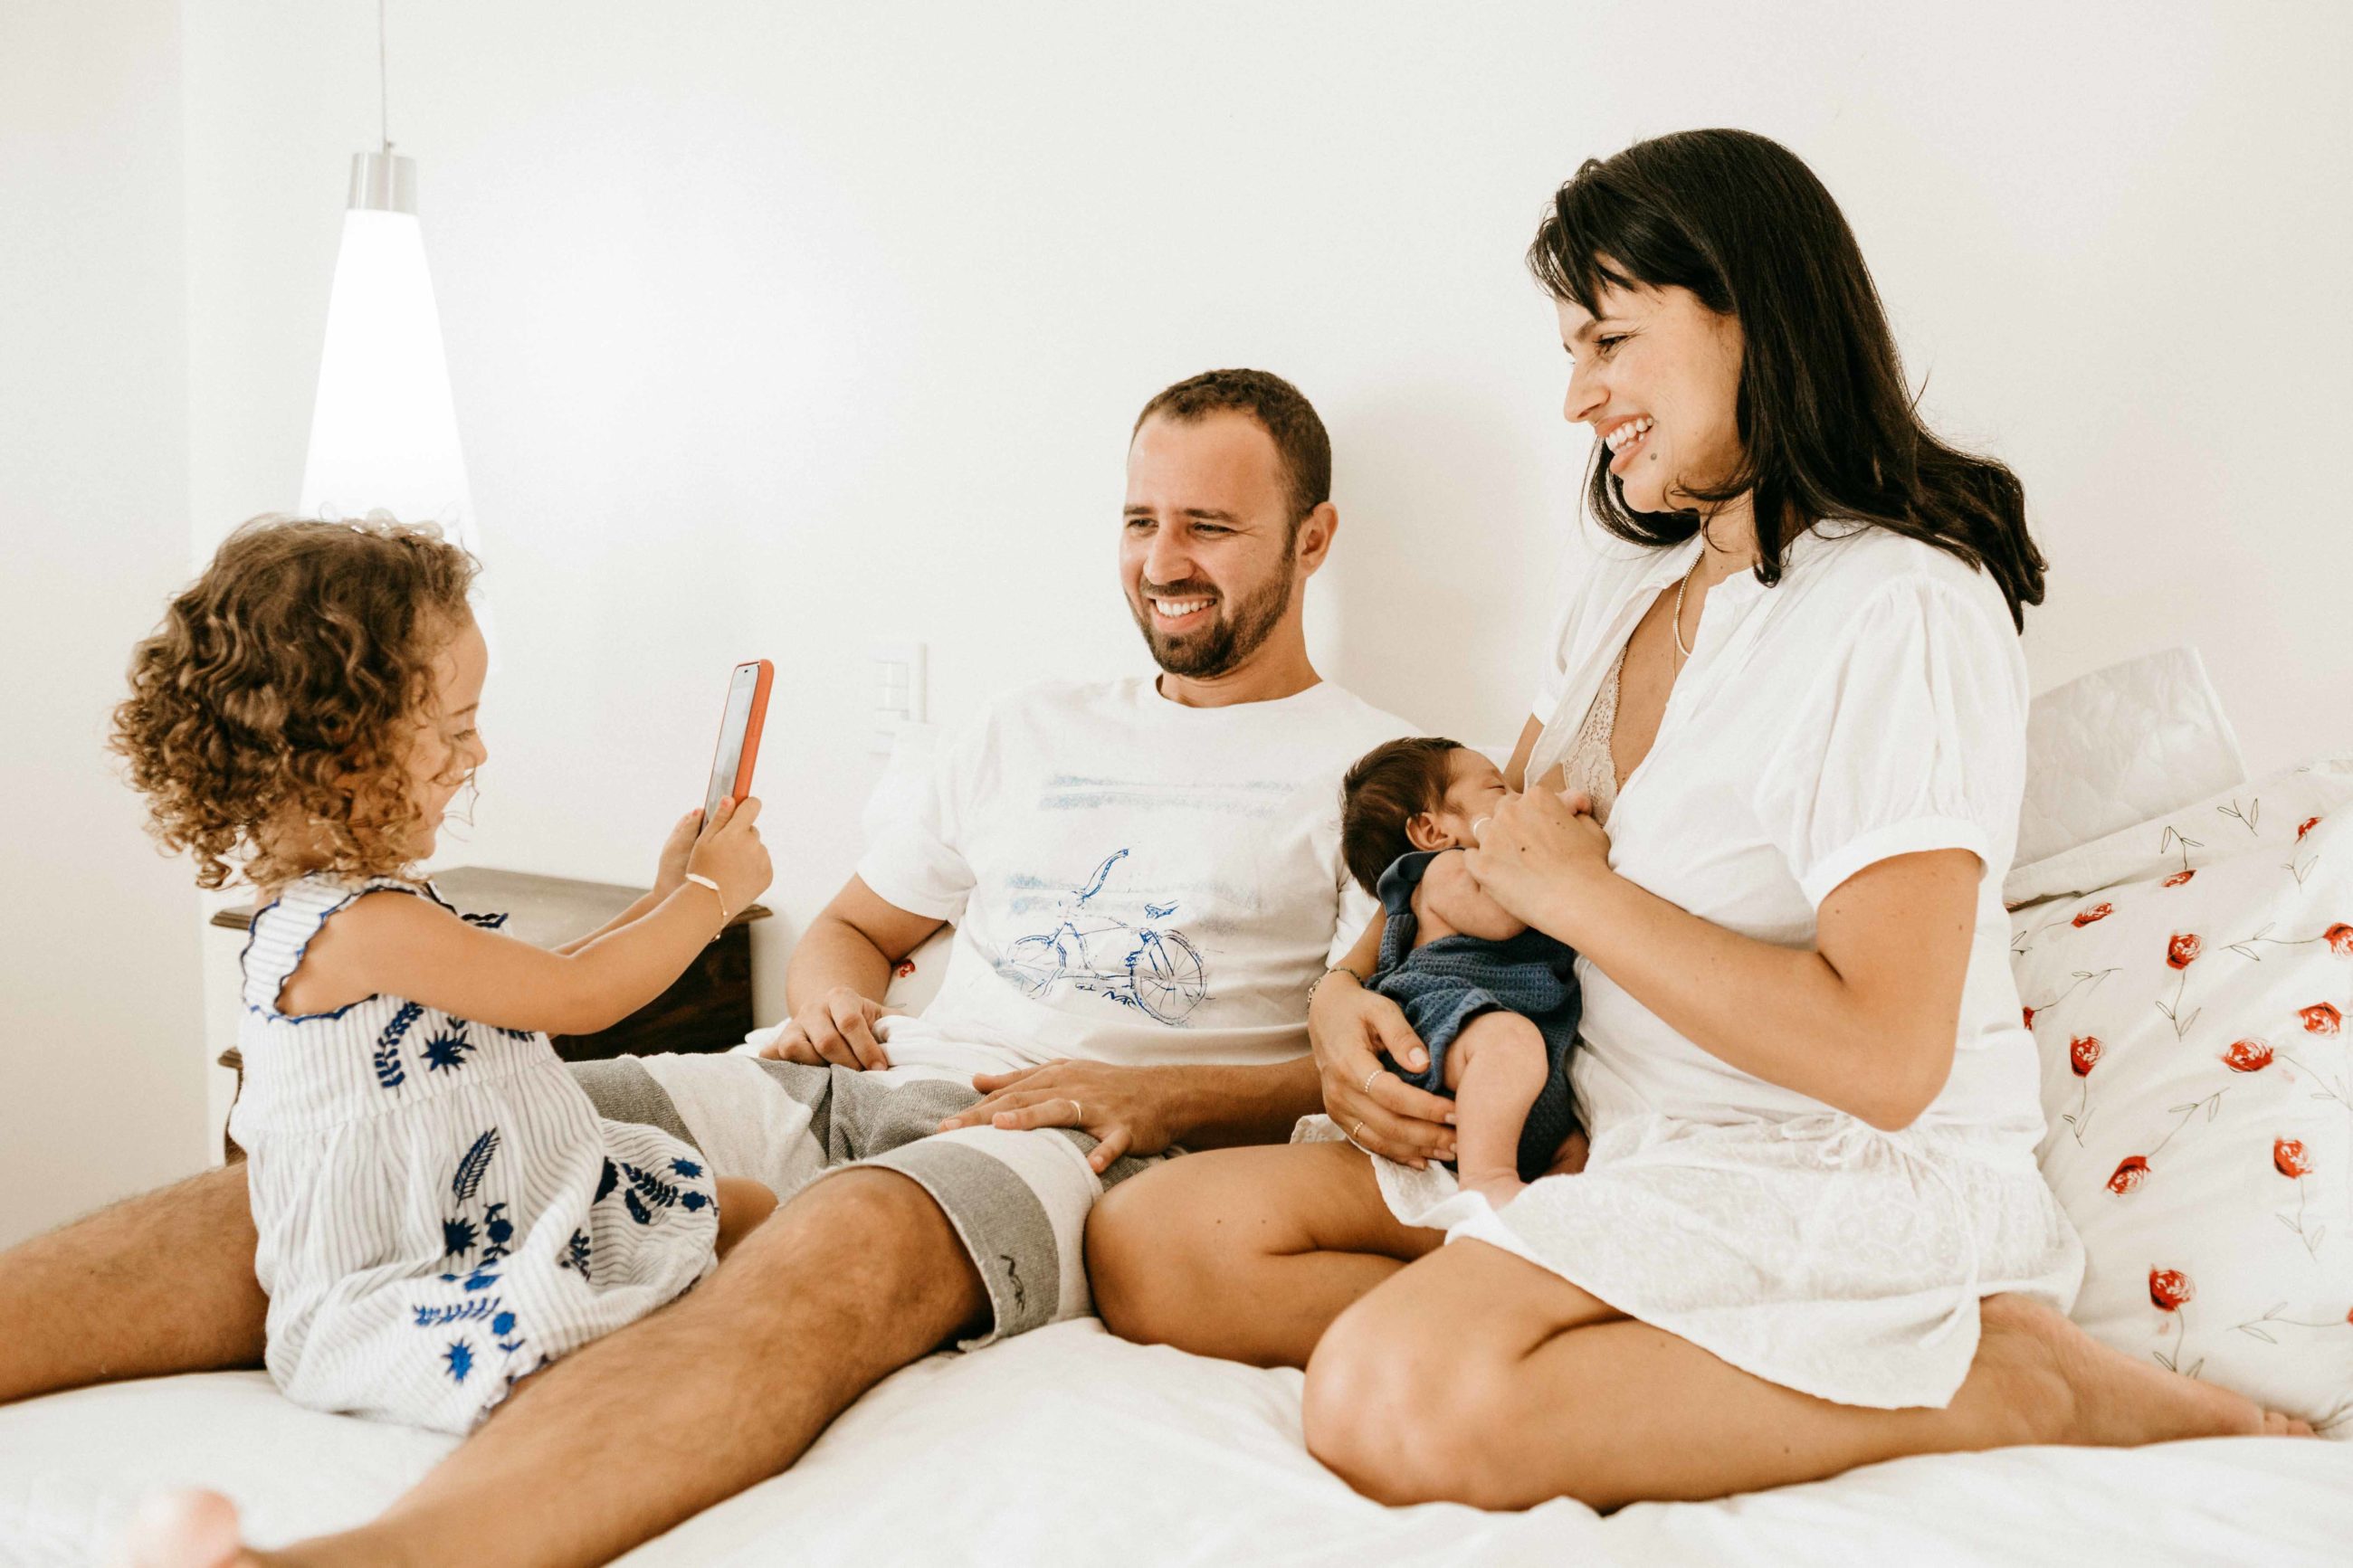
[(1558, 1395), (157, 1284), (1245, 1254)]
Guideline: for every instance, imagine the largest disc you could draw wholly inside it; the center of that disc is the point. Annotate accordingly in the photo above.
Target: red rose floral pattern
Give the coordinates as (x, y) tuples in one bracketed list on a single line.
[(2247, 1055), (2221, 1131)]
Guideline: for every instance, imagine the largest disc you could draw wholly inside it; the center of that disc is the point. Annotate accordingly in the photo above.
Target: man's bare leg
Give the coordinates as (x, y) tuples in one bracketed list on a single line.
[(854, 1279), (157, 1284)]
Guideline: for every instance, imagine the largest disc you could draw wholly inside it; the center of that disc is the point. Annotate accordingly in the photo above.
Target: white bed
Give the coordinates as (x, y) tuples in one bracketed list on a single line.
[(1069, 1446)]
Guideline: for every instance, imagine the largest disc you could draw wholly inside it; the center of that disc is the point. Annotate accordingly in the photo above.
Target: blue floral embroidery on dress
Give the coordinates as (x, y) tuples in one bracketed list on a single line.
[(473, 1165), (605, 1182), (576, 1254), (686, 1168), (481, 1279), (500, 1229), (638, 1210), (690, 1202), (488, 923), (458, 1313), (448, 1050), (651, 1187), (389, 1072), (457, 1237), (460, 1357)]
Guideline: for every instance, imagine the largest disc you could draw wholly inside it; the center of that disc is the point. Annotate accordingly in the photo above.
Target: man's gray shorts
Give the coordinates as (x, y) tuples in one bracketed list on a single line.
[(1018, 1200)]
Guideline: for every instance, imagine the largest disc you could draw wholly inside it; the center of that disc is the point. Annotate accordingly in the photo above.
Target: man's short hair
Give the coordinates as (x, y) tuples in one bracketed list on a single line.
[(1387, 788), (1281, 409)]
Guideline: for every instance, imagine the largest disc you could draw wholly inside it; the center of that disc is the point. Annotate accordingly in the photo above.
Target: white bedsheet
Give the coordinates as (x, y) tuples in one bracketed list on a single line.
[(1066, 1445)]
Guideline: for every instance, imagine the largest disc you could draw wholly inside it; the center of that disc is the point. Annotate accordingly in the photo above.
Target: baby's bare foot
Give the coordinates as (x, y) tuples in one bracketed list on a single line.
[(2070, 1388), (184, 1530)]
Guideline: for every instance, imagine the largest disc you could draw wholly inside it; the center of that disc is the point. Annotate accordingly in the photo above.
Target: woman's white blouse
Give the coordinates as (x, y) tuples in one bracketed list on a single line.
[(1872, 703)]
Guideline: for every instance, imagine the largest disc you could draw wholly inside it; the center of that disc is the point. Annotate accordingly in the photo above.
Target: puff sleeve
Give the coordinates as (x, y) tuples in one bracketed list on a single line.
[(1912, 737)]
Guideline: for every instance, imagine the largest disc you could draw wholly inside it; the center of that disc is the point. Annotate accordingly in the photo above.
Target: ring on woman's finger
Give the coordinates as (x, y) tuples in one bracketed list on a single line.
[(1358, 1137), (1368, 1080)]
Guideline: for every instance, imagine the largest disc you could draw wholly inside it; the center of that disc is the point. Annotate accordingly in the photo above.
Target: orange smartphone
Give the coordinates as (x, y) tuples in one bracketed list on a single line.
[(739, 734)]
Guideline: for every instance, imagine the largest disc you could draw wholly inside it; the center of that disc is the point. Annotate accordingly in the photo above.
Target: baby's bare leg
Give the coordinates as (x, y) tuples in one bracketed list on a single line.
[(1496, 1068)]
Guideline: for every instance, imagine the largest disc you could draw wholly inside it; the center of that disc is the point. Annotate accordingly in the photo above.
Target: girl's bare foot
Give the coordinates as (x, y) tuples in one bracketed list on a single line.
[(184, 1530), (2067, 1387)]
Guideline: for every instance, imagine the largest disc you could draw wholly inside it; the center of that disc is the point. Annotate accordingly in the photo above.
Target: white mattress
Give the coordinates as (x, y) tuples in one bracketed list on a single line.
[(1068, 1447)]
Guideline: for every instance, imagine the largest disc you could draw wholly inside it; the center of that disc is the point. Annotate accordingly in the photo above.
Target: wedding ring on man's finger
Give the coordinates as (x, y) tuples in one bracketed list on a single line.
[(1479, 828), (1077, 1114)]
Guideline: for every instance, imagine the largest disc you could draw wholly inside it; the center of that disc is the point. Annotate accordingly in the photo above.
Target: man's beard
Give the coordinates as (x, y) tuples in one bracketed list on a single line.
[(1229, 640)]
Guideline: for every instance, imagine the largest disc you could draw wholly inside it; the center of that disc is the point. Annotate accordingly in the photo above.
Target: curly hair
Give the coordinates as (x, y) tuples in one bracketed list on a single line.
[(282, 687)]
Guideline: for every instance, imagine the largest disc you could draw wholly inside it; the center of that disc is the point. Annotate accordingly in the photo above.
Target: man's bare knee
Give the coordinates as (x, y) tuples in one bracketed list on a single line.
[(877, 1239)]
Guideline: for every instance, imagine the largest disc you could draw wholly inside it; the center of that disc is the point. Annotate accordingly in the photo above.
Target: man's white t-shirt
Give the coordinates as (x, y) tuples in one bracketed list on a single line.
[(1132, 880)]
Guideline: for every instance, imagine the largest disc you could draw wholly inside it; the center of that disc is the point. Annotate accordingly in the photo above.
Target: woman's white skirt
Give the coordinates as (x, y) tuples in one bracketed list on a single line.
[(1819, 1253)]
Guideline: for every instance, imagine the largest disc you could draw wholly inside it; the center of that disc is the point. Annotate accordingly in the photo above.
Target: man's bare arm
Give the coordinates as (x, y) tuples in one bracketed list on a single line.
[(840, 974)]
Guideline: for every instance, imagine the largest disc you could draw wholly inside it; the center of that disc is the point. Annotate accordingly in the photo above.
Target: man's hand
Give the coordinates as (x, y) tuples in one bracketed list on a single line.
[(838, 1030), (1379, 1112), (1126, 1109)]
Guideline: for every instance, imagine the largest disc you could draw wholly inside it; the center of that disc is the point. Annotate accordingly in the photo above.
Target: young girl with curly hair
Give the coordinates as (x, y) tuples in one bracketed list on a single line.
[(441, 1210)]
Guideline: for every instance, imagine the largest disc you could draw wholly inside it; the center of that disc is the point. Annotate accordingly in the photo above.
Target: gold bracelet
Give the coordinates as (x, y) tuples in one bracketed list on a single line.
[(702, 881)]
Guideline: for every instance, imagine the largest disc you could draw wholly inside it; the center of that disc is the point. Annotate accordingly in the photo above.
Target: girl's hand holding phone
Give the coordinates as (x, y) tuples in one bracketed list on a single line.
[(671, 875), (730, 853)]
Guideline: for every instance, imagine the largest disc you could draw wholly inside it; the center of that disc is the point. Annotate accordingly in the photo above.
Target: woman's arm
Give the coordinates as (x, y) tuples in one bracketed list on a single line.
[(1864, 1022)]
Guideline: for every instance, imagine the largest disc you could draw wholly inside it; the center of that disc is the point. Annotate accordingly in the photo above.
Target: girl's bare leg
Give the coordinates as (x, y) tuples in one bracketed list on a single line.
[(1245, 1254), (157, 1284), (743, 1205), (1558, 1395), (1496, 1068)]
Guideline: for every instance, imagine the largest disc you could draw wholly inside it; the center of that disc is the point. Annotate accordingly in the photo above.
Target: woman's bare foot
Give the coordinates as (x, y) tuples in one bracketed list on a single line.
[(185, 1530), (2070, 1388)]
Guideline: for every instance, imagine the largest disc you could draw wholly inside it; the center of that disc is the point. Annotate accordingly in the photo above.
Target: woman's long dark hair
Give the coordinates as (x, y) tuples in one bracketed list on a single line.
[(1827, 427)]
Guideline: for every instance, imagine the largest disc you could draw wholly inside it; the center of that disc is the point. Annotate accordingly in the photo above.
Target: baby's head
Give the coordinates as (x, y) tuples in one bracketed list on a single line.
[(1421, 793), (309, 703)]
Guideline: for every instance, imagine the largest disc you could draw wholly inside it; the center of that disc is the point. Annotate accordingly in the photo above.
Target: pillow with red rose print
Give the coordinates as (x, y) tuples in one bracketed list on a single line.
[(2195, 1077)]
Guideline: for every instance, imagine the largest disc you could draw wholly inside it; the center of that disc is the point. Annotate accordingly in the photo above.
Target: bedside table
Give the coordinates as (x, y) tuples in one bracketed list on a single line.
[(708, 1009)]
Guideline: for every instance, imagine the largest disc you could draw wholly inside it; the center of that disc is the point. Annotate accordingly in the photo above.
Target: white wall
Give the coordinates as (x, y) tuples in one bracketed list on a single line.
[(101, 1050), (790, 328)]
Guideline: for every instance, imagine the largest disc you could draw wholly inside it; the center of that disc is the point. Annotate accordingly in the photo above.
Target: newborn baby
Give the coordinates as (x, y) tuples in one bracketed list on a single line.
[(1493, 1002)]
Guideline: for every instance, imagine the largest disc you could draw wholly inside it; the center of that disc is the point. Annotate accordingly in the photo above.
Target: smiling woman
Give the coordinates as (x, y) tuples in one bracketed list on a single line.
[(1810, 1206)]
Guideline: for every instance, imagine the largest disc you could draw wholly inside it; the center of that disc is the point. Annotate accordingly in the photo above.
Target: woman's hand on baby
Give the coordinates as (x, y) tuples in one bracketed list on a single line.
[(732, 854), (670, 875), (1125, 1107), (1535, 850), (838, 1032), (1381, 1113)]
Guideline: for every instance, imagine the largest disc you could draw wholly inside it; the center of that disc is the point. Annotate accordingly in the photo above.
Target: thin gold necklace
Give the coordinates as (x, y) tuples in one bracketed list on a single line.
[(1681, 646)]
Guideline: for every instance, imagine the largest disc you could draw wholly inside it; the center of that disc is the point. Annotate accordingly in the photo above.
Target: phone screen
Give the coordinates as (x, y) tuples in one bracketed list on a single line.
[(724, 767)]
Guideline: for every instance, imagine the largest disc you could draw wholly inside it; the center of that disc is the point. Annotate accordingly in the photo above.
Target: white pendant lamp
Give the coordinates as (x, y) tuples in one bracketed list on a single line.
[(384, 432)]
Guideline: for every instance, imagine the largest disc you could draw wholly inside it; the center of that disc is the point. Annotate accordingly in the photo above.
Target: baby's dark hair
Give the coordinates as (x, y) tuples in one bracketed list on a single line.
[(1384, 789), (281, 687)]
